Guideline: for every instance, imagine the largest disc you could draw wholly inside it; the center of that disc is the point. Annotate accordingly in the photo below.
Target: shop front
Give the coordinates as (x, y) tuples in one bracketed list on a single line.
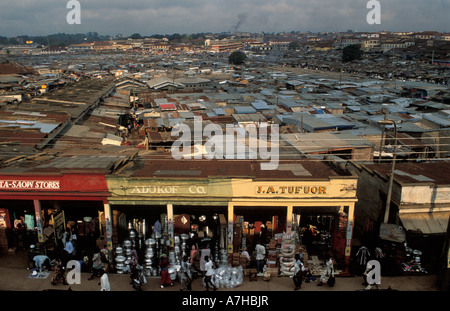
[(318, 214), (227, 215), (168, 215), (40, 208)]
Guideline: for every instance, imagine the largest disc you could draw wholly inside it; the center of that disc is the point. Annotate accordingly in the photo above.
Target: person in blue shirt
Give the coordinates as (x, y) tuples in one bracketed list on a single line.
[(41, 261)]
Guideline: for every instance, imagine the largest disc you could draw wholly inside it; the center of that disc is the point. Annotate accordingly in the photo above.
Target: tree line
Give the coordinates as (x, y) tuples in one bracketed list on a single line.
[(63, 39)]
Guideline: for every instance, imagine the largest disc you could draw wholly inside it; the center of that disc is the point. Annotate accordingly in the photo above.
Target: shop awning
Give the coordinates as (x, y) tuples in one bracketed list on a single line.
[(426, 222)]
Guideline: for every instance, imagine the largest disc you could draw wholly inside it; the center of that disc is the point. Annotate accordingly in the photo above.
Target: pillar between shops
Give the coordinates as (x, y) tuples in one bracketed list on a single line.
[(170, 220), (289, 218), (230, 228), (108, 223), (38, 216), (348, 242)]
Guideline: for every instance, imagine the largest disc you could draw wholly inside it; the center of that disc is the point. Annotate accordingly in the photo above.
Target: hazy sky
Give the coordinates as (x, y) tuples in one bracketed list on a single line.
[(111, 17)]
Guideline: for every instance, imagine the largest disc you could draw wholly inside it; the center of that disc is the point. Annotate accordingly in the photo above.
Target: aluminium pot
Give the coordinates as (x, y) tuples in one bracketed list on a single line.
[(120, 259), (127, 243)]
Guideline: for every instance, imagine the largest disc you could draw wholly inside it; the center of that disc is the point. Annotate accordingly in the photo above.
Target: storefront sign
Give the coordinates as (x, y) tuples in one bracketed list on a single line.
[(30, 184), (287, 190), (169, 189), (59, 225)]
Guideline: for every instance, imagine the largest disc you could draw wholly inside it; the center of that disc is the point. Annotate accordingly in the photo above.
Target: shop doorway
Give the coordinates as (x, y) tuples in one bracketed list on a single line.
[(206, 227), (21, 229), (257, 224), (321, 230), (81, 219), (141, 218)]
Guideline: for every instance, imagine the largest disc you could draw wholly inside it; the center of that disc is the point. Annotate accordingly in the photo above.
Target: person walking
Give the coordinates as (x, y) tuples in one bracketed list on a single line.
[(59, 275), (209, 273), (260, 257), (186, 275), (327, 276), (298, 272), (97, 265), (165, 276), (104, 282), (68, 252)]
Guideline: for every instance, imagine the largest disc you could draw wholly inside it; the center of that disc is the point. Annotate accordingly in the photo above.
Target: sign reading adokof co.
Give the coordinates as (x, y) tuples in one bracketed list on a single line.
[(169, 189)]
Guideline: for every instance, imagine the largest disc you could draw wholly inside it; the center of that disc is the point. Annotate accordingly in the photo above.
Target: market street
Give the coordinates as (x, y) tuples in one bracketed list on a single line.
[(15, 277)]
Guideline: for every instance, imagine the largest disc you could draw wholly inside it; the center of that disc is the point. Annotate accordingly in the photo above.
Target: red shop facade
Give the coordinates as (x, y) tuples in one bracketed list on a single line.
[(39, 208)]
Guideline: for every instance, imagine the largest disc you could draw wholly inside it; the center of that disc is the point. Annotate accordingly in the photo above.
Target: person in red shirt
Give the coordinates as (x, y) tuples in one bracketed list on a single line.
[(165, 276)]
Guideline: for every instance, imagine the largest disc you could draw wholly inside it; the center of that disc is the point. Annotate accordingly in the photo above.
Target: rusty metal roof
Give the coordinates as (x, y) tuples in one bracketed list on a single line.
[(436, 172), (287, 169)]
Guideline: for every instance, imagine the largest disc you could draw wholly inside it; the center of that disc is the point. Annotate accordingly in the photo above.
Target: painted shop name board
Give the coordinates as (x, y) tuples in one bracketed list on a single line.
[(30, 184), (169, 189), (286, 190)]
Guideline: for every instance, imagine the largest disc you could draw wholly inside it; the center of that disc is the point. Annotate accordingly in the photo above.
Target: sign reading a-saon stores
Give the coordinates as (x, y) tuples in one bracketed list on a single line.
[(30, 184)]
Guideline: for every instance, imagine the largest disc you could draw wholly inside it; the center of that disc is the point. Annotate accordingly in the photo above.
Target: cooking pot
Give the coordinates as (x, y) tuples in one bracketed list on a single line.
[(120, 259), (119, 250), (132, 234), (127, 243), (150, 242)]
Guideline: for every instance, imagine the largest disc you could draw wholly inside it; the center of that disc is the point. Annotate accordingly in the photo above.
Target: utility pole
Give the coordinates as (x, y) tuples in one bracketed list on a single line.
[(391, 178)]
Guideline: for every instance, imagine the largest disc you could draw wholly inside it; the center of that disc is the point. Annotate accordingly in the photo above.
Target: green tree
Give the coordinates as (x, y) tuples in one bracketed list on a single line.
[(351, 52), (293, 46), (237, 58), (136, 36)]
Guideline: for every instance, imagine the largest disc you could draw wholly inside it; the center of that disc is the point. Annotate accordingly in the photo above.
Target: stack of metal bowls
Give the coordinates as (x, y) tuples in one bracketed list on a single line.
[(119, 259), (172, 258), (127, 247), (132, 236), (149, 256), (184, 247), (223, 257), (120, 264), (177, 250)]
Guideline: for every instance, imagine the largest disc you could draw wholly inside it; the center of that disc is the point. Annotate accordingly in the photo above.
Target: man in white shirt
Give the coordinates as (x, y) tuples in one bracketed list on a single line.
[(260, 256), (209, 273)]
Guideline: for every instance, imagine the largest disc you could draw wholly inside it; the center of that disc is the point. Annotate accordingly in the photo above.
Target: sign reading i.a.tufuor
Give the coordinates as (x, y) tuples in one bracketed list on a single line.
[(290, 190)]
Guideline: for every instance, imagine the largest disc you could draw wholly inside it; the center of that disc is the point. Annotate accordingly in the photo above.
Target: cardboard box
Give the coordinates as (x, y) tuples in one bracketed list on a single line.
[(272, 244), (273, 271)]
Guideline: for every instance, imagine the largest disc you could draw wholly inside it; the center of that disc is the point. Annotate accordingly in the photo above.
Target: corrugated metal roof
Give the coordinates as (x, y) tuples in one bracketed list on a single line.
[(427, 223), (288, 169), (244, 109)]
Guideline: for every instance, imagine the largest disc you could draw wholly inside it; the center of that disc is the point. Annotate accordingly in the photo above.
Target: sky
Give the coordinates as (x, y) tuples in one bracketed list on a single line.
[(147, 17)]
